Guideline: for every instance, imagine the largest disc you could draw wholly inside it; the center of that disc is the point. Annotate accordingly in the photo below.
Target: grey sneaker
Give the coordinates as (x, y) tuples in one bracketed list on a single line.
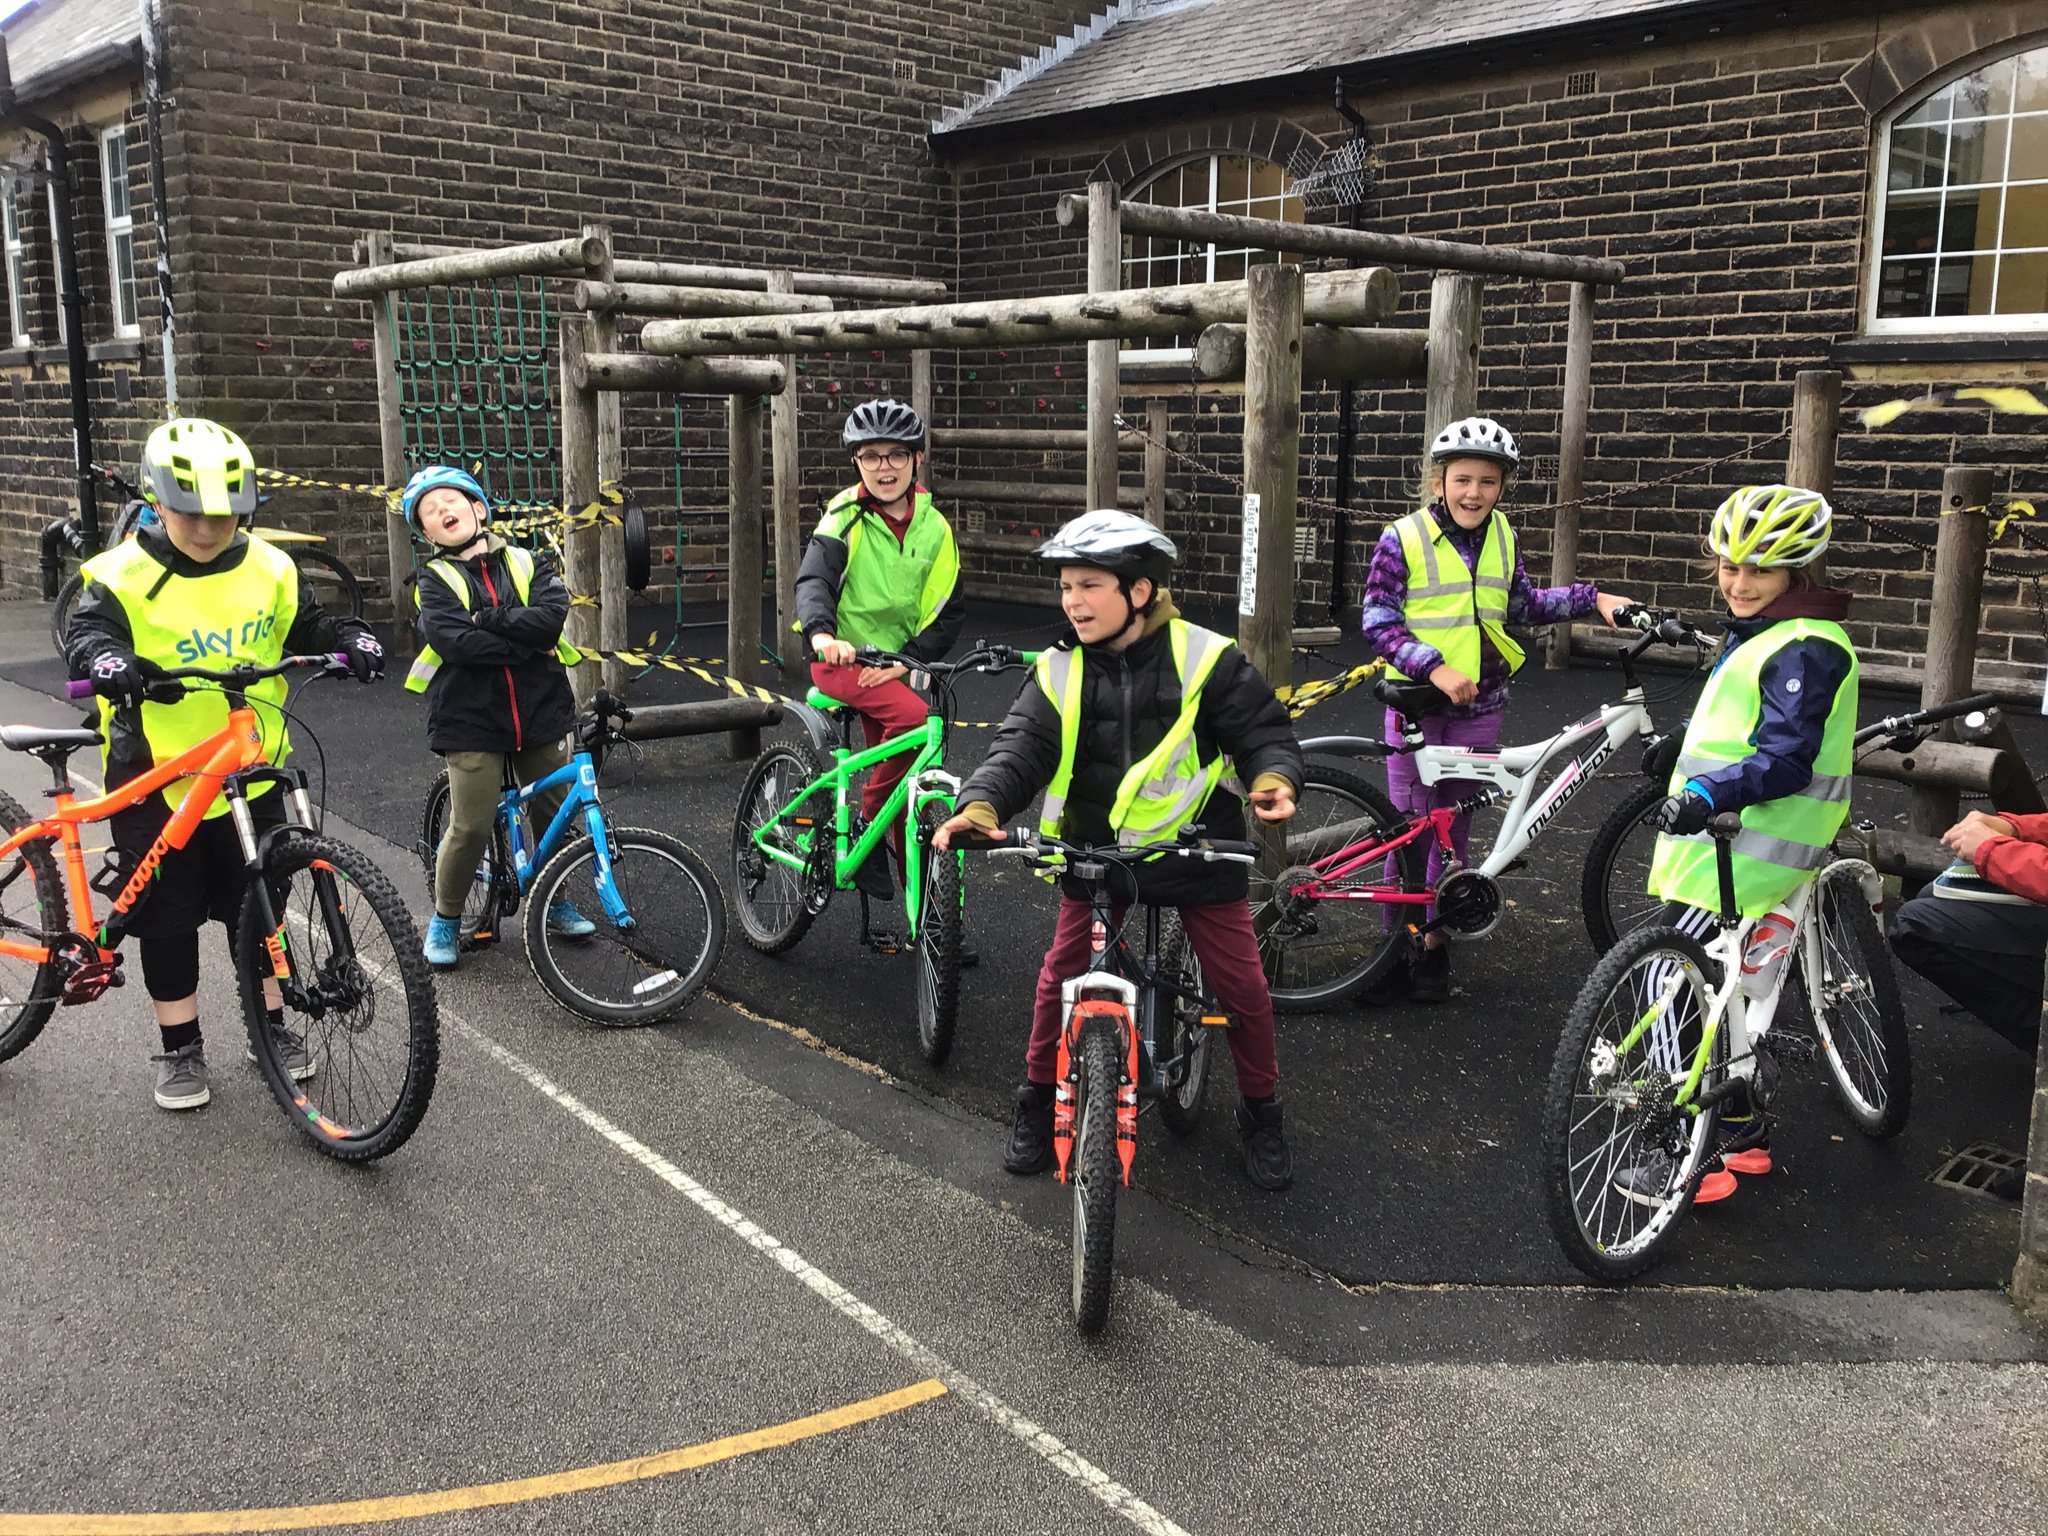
[(292, 1054), (181, 1078)]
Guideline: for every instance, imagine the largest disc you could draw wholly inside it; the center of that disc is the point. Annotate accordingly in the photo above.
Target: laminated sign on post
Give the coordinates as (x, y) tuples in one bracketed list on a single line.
[(1248, 565)]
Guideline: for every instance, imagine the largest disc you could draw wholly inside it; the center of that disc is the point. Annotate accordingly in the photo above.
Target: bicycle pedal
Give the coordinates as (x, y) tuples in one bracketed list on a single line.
[(881, 943)]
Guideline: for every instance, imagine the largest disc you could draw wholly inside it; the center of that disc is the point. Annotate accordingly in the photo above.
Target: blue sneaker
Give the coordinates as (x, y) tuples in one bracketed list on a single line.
[(564, 921), (444, 936)]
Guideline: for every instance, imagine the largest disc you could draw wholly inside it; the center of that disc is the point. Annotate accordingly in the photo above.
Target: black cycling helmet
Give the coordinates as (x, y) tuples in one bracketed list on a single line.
[(883, 421)]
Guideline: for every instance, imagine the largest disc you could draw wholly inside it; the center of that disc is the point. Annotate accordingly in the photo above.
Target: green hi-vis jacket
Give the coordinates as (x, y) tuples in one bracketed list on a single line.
[(1450, 605), (1783, 842), (860, 585)]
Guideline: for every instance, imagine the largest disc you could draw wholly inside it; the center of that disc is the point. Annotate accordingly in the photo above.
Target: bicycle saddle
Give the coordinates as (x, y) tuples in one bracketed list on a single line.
[(1411, 699), (54, 742)]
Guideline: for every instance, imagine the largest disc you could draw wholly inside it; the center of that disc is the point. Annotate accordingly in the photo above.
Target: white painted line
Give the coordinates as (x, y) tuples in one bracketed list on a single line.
[(1069, 1461)]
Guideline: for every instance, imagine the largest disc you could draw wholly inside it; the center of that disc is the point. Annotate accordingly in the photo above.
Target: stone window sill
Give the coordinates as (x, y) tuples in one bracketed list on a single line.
[(125, 350), (2025, 347)]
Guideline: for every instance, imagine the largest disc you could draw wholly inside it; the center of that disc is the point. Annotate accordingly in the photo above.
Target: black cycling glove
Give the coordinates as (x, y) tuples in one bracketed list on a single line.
[(365, 658), (1683, 814), (1660, 756), (125, 679)]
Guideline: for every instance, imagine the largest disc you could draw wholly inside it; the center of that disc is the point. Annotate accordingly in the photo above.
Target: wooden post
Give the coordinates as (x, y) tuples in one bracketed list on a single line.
[(1571, 461), (1155, 462), (744, 420), (921, 389), (786, 488), (1105, 275), (1959, 547), (1810, 458), (405, 638), (1272, 475), (580, 477), (1452, 389), (612, 597)]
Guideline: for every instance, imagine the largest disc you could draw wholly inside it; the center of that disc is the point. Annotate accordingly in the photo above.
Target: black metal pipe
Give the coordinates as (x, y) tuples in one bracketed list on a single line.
[(1347, 401), (159, 197), (69, 298), (63, 537)]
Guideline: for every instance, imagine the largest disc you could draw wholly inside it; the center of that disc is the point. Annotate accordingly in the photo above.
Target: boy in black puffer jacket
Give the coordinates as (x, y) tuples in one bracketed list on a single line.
[(1139, 661), (493, 668)]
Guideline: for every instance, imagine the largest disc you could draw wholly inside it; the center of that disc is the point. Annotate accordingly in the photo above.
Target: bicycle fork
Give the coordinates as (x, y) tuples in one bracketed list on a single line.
[(1115, 1013)]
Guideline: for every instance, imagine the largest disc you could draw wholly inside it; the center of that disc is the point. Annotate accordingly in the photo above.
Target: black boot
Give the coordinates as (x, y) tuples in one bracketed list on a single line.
[(1030, 1148), (1267, 1161), (1430, 980)]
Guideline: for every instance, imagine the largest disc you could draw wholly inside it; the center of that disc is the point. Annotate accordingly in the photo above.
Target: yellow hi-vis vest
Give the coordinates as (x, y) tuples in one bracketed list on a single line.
[(1782, 842), (898, 590), (237, 617), (1449, 604), (517, 561), (1161, 792)]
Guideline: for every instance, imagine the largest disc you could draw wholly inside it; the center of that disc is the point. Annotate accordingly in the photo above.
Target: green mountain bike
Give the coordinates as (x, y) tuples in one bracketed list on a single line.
[(797, 836)]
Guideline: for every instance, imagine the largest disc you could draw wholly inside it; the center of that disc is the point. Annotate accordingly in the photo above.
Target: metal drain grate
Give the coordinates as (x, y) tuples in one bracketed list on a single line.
[(1983, 1169)]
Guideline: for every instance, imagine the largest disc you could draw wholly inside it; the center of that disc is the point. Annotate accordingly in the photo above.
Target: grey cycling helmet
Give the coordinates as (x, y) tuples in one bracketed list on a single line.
[(1476, 437), (883, 421), (1116, 542)]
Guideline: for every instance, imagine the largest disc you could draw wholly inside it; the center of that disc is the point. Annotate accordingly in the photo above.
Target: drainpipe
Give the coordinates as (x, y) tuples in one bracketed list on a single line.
[(1347, 426), (153, 100), (73, 304)]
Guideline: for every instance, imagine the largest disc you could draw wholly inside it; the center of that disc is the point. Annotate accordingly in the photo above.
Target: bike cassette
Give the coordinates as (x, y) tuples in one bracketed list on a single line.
[(1468, 903), (1293, 912)]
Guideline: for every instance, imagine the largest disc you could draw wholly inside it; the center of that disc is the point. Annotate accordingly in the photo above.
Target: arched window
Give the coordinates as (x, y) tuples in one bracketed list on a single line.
[(1234, 184), (1963, 227)]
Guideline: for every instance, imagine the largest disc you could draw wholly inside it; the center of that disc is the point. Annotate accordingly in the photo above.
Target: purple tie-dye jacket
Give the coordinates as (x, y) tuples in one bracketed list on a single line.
[(1386, 613)]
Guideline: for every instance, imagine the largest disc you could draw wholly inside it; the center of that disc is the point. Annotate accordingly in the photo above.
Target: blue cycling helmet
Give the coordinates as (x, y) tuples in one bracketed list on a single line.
[(433, 477)]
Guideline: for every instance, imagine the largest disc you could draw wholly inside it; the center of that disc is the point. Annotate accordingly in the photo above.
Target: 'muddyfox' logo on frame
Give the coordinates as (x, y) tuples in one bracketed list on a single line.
[(202, 643)]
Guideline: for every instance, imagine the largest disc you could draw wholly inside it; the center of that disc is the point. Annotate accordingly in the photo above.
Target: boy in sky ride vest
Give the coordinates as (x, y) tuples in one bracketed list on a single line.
[(882, 572), (194, 590)]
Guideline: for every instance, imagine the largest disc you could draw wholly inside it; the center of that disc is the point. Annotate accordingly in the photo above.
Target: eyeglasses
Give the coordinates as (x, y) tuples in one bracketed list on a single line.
[(894, 458)]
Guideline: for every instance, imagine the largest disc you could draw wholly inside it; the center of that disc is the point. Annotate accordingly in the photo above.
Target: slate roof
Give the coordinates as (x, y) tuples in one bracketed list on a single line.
[(1142, 49), (56, 43)]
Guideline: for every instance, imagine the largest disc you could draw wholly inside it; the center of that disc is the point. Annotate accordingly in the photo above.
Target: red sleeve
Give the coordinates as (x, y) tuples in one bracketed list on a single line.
[(2016, 866), (2028, 829)]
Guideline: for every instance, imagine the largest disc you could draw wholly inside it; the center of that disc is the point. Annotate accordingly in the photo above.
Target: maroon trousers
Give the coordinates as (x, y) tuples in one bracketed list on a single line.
[(1229, 951), (885, 713)]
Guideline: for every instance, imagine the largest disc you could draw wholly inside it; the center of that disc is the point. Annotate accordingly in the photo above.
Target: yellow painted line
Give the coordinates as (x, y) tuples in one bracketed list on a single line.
[(411, 1506)]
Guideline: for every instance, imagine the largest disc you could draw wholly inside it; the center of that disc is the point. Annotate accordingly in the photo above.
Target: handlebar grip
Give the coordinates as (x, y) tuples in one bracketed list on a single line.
[(1958, 707), (78, 688)]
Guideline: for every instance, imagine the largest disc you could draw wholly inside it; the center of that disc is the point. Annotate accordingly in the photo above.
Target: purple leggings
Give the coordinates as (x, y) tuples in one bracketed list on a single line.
[(1412, 797)]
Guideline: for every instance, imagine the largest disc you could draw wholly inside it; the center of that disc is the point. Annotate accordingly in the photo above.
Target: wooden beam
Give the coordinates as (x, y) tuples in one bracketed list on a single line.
[(469, 266), (1453, 378), (700, 717), (1571, 462), (1202, 228), (836, 285), (1105, 275), (1039, 494), (745, 433), (1155, 443), (627, 371), (579, 489), (1327, 352), (1955, 614), (1363, 297), (1810, 457), (671, 299), (391, 444), (785, 490), (611, 468), (1032, 439)]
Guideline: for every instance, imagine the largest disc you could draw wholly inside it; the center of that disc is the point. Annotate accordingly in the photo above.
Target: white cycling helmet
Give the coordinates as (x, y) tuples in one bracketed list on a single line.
[(1476, 437), (1118, 542), (1771, 525)]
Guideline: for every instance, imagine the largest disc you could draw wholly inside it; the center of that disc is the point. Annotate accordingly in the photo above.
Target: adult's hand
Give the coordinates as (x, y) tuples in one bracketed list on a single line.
[(1973, 832), (1453, 684)]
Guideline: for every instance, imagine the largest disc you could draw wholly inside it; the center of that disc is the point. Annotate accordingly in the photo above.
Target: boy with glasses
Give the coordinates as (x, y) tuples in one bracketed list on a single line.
[(882, 573)]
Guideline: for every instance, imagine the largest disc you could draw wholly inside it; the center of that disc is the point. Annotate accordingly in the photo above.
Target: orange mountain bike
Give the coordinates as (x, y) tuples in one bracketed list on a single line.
[(322, 934)]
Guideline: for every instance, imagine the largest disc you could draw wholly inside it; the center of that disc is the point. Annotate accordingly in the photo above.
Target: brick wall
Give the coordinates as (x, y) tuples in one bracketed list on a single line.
[(1731, 179)]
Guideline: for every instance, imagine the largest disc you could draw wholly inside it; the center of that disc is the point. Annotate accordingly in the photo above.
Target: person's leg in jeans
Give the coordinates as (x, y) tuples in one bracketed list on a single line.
[(1985, 955), (1224, 942), (1030, 1148)]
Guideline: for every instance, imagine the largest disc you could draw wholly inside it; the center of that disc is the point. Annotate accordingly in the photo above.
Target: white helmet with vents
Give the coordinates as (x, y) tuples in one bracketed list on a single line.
[(1476, 437)]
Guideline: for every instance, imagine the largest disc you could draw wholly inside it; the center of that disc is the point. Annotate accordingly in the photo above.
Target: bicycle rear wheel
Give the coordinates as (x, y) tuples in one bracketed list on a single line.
[(1319, 950), (334, 585), (60, 611), (1614, 888), (1093, 1173), (1620, 1160), (33, 911), (1856, 1008), (356, 991), (938, 939), (494, 888), (1184, 1048), (642, 971), (776, 903)]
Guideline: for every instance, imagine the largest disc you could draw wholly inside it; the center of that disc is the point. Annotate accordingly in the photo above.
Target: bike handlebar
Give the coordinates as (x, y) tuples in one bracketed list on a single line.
[(1657, 625), (983, 657), (1031, 843), (232, 677), (1901, 725)]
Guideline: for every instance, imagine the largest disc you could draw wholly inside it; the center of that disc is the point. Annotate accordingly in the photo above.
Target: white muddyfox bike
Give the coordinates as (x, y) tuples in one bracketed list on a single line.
[(1352, 892)]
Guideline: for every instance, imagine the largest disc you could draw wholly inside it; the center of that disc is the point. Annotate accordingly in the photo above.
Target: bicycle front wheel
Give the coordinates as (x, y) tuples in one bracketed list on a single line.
[(493, 887), (60, 611), (32, 911), (1183, 1048), (776, 902), (1621, 1161), (334, 585), (1323, 941), (1856, 1008), (1614, 887), (938, 939), (1093, 1172), (638, 971), (357, 999)]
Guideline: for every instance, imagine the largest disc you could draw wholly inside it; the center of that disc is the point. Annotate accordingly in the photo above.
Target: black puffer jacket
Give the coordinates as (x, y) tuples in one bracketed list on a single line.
[(1128, 702), (500, 687)]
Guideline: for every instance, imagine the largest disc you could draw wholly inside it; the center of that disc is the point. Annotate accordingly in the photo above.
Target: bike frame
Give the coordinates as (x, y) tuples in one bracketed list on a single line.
[(578, 779), (1511, 776)]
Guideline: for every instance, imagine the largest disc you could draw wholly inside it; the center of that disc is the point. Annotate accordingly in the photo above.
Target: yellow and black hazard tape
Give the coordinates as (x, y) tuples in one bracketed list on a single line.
[(546, 514), (1300, 698), (2010, 399)]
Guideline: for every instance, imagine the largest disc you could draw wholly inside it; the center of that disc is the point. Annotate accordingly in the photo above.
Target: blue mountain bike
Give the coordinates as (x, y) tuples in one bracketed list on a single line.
[(652, 917)]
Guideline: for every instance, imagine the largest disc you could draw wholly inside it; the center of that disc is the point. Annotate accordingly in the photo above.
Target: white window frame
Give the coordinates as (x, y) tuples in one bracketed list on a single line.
[(120, 230), (1145, 354), (18, 329), (1946, 325), (56, 264)]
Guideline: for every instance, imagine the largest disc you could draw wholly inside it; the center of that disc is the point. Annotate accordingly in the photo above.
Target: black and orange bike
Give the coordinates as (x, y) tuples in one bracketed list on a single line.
[(322, 934)]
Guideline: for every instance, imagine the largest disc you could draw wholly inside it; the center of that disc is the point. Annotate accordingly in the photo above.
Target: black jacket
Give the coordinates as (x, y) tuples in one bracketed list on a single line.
[(500, 687), (1128, 702), (100, 624)]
